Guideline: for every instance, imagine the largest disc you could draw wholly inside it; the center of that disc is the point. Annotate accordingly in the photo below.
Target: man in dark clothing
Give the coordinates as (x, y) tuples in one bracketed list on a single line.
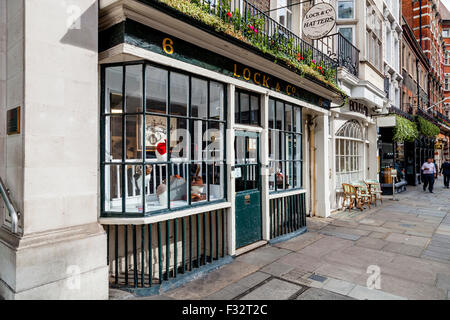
[(445, 170)]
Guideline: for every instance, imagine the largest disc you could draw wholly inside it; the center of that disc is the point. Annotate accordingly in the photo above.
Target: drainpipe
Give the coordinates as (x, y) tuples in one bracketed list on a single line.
[(420, 22), (418, 86)]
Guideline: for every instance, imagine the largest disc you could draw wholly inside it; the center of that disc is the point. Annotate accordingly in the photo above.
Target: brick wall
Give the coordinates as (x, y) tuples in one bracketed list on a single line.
[(263, 5)]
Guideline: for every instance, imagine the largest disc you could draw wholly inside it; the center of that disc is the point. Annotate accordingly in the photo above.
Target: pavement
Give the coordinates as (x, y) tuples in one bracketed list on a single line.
[(398, 250)]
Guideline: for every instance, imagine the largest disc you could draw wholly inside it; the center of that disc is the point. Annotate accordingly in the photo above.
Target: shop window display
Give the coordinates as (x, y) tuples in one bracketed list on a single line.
[(285, 146), (165, 151)]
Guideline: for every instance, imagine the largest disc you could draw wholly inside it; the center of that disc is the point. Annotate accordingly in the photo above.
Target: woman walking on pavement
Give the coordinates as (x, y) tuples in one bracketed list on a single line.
[(445, 170), (429, 174)]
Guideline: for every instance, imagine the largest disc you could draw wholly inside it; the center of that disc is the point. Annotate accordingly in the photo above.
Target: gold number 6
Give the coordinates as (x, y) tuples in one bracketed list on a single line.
[(168, 45)]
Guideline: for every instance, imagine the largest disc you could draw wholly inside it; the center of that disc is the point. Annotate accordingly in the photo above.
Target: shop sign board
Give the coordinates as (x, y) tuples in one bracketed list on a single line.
[(358, 107), (139, 35), (319, 21)]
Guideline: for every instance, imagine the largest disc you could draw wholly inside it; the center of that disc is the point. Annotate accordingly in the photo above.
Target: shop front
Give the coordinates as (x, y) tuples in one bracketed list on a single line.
[(205, 153), (353, 139)]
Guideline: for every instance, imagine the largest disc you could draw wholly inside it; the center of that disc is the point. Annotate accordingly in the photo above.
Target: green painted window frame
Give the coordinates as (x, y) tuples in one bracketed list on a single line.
[(143, 161)]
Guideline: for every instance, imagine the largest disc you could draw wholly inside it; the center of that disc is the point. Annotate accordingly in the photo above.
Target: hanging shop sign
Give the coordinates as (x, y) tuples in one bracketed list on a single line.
[(319, 21), (139, 35), (358, 107)]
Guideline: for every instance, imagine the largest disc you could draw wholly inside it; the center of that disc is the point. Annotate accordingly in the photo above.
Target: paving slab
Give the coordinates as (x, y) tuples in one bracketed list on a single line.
[(378, 235), (411, 289), (300, 242), (325, 245), (404, 249), (339, 286), (321, 294), (407, 239), (277, 268), (372, 243), (274, 289), (364, 293), (263, 256), (212, 282), (443, 281)]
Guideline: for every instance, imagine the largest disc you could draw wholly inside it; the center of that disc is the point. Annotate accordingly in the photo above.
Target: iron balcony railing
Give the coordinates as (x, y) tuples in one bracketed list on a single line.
[(426, 115), (400, 112), (13, 212), (343, 51), (268, 35)]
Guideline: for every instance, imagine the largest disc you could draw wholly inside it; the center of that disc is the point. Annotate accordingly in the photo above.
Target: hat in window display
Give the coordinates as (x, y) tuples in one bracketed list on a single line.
[(161, 151)]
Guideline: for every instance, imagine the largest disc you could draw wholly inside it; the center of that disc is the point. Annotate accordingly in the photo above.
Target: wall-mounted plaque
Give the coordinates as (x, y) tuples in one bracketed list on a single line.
[(13, 121)]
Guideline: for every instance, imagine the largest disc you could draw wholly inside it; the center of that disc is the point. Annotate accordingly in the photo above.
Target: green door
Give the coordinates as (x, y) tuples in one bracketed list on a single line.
[(248, 189)]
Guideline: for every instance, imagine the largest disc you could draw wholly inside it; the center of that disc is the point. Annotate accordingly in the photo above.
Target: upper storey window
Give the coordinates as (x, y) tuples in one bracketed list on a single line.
[(346, 9)]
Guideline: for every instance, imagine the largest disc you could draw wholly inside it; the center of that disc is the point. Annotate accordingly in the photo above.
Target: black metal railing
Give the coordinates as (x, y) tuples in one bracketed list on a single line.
[(287, 215), (400, 112), (443, 118), (426, 115), (143, 256), (268, 35), (343, 51)]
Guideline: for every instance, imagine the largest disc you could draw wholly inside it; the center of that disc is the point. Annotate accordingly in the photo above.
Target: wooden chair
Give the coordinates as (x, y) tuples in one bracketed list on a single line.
[(375, 190), (350, 194), (363, 192)]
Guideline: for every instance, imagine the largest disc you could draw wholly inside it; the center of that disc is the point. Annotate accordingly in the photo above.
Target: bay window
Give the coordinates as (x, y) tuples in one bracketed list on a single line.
[(163, 141)]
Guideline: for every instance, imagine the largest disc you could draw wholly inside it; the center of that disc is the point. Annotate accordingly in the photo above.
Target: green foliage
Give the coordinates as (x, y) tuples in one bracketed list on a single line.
[(405, 130), (427, 128), (251, 31)]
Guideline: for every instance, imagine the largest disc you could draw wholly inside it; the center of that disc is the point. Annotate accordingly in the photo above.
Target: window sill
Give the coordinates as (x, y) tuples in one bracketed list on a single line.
[(163, 216), (285, 193)]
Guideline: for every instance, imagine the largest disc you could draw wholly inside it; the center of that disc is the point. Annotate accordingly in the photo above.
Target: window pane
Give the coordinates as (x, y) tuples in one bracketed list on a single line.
[(133, 187), (297, 119), (113, 138), (289, 147), (280, 116), (347, 33), (113, 89), (133, 125), (297, 174), (198, 138), (271, 113), (245, 108), (199, 189), (133, 88), (272, 166), (345, 9), (288, 111), (280, 176), (178, 185), (254, 114), (179, 137), (199, 98), (216, 180), (155, 138), (156, 187), (297, 147), (113, 188), (156, 89), (237, 118), (179, 86), (217, 97), (215, 141)]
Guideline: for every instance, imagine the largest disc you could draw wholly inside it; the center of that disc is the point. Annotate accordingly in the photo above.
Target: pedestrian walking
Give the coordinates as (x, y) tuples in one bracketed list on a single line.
[(429, 173), (445, 170)]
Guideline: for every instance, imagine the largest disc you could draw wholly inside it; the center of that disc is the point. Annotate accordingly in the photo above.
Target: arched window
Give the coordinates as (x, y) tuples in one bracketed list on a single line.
[(349, 153)]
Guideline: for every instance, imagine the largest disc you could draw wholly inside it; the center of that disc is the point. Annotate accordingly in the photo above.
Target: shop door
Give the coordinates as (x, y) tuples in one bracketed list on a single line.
[(248, 189)]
